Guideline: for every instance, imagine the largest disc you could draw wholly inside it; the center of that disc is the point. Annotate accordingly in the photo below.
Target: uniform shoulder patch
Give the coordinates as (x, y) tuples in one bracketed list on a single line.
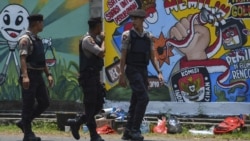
[(91, 40), (125, 37)]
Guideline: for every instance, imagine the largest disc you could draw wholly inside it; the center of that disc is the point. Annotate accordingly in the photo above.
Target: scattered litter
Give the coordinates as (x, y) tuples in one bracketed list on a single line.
[(161, 126), (202, 132), (174, 125), (229, 124)]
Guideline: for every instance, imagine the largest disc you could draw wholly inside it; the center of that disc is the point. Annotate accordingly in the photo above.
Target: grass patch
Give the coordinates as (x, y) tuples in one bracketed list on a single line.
[(50, 128)]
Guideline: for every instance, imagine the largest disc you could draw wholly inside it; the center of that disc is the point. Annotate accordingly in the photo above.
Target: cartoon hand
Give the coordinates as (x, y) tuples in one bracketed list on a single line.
[(190, 38), (211, 16), (47, 42)]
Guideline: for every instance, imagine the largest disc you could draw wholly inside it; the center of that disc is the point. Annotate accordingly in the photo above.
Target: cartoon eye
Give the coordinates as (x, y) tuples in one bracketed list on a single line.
[(228, 34), (19, 20), (6, 19), (231, 33), (152, 18)]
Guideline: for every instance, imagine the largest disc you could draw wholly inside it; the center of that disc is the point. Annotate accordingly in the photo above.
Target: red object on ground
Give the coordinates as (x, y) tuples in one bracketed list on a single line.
[(161, 127), (229, 124), (105, 129)]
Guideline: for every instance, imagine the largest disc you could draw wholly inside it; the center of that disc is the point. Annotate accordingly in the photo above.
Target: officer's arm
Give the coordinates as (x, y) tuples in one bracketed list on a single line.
[(122, 61), (124, 48), (102, 52), (49, 76), (155, 62), (156, 66), (23, 66), (122, 80), (90, 45), (23, 51), (46, 71)]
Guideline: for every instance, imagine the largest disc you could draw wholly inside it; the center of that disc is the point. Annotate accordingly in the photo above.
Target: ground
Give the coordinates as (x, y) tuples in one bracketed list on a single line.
[(66, 136)]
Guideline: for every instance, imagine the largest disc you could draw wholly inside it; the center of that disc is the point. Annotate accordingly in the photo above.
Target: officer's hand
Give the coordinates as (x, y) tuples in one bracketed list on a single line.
[(102, 35), (122, 81), (51, 81), (160, 77), (26, 82)]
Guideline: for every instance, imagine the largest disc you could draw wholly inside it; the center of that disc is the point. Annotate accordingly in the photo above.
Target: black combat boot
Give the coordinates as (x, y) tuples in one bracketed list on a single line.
[(75, 125), (19, 124), (28, 134), (126, 134), (97, 138), (31, 137), (136, 135)]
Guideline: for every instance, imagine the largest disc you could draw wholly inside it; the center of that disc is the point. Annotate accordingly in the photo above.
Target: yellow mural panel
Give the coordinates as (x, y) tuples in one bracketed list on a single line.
[(207, 62)]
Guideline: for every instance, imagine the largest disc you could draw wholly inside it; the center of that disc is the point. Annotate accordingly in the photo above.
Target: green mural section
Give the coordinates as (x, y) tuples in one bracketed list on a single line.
[(65, 21)]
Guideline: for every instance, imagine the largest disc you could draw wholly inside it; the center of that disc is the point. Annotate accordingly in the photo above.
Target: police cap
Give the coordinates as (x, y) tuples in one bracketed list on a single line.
[(137, 13), (35, 17)]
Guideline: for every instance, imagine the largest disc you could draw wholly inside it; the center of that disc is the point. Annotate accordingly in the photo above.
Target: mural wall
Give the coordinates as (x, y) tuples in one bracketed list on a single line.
[(202, 47), (64, 24)]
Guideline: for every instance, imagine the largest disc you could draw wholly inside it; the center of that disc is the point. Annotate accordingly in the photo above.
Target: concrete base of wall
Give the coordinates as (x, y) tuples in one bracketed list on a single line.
[(55, 106), (190, 109), (154, 107)]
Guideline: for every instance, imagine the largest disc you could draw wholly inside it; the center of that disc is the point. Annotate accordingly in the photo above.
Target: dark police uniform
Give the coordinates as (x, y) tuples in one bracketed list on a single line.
[(90, 67), (89, 80), (137, 59), (139, 48), (37, 90), (91, 53)]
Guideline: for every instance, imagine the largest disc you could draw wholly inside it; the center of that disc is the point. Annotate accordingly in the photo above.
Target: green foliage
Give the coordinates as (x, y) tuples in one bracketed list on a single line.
[(45, 126), (10, 89), (66, 82), (65, 77)]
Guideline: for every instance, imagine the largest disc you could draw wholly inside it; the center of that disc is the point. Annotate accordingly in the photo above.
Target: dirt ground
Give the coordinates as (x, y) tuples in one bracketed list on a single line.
[(116, 137)]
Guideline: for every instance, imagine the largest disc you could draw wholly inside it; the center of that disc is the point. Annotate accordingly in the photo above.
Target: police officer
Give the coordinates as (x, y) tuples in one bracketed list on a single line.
[(137, 50), (32, 59), (91, 49)]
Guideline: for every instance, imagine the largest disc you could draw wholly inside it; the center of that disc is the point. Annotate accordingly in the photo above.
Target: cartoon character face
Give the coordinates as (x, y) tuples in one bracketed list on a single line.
[(231, 36), (13, 22)]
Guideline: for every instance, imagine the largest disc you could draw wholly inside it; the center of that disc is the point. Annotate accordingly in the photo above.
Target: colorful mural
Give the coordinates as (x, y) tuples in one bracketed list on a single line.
[(202, 47), (64, 24)]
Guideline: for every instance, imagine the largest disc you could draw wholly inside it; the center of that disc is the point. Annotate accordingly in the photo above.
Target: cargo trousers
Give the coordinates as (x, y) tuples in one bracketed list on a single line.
[(137, 77)]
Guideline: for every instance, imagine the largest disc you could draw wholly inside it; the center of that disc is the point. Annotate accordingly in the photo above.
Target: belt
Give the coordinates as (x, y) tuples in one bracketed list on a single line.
[(34, 71), (89, 70)]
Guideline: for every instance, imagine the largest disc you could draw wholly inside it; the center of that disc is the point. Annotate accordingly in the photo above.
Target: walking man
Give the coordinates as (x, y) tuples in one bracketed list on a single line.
[(91, 50), (32, 59), (137, 50)]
